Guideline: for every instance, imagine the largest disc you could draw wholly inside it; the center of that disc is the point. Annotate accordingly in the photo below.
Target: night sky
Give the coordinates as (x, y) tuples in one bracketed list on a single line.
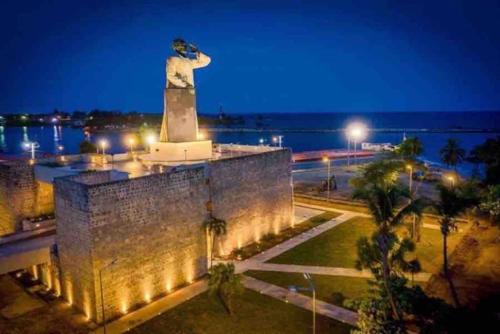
[(267, 56)]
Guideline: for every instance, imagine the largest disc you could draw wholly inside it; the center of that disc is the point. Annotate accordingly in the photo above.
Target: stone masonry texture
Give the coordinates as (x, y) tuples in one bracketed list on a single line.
[(145, 235)]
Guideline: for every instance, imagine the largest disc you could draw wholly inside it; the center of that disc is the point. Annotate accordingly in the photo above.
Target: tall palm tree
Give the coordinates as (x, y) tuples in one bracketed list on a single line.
[(452, 154), (384, 253), (225, 284), (410, 148), (451, 203), (216, 227)]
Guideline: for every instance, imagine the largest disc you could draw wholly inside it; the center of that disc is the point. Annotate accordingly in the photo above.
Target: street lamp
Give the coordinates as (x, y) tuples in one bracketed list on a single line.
[(261, 141), (327, 161), (150, 139), (278, 139), (312, 288), (31, 146), (410, 170), (103, 144), (355, 132), (451, 178), (131, 143), (102, 293)]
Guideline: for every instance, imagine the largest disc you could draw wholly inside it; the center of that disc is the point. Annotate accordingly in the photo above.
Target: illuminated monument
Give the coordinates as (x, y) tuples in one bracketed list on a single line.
[(126, 233), (179, 137)]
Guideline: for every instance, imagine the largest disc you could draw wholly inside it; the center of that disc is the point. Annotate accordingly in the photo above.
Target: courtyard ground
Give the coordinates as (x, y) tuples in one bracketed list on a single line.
[(253, 313)]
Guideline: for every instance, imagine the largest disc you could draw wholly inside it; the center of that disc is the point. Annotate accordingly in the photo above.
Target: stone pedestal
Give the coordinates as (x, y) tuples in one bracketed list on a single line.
[(180, 122), (179, 152)]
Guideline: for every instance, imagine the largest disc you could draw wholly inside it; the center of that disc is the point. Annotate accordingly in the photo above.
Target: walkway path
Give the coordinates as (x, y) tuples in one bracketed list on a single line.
[(319, 270), (135, 318), (326, 309)]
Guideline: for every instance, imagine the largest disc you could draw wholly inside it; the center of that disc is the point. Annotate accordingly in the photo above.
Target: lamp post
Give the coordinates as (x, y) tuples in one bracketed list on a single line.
[(278, 139), (355, 132), (103, 143), (151, 139), (102, 293), (312, 288), (451, 178), (31, 146), (131, 143), (410, 183), (327, 160)]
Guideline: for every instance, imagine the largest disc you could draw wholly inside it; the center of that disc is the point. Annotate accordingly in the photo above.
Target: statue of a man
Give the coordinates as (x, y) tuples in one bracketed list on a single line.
[(180, 67)]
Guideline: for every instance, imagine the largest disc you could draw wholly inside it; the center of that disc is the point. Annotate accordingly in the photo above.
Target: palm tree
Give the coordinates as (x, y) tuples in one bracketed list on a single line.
[(452, 202), (216, 227), (384, 253), (225, 284), (410, 148), (452, 154)]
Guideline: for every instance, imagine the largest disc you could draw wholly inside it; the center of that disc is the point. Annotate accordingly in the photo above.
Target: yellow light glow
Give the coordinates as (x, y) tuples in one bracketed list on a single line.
[(147, 297), (123, 308), (103, 143), (151, 139), (325, 159), (200, 136), (409, 166)]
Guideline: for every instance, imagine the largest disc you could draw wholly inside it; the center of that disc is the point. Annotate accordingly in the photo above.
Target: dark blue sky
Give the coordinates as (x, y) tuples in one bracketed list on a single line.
[(267, 56)]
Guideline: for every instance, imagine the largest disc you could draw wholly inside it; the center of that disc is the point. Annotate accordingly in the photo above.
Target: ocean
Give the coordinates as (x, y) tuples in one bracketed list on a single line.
[(301, 132)]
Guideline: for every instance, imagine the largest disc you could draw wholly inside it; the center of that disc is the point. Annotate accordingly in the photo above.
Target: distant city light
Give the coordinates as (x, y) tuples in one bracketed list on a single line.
[(261, 141)]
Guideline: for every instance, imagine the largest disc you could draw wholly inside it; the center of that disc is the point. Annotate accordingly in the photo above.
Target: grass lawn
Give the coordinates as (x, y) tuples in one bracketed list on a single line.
[(254, 313), (271, 240), (337, 247), (331, 289)]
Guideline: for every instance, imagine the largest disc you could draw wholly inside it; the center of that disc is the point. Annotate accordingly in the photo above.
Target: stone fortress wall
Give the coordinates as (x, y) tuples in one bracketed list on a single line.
[(21, 195), (152, 226)]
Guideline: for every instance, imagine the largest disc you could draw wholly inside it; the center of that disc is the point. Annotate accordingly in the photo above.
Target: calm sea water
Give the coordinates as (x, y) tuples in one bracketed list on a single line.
[(290, 126)]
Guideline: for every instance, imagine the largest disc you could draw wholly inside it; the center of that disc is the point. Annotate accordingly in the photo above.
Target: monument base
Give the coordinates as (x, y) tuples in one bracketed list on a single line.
[(179, 152)]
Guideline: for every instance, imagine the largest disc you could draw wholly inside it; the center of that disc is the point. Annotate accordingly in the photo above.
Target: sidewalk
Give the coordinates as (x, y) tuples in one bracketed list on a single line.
[(326, 309), (318, 270), (135, 318)]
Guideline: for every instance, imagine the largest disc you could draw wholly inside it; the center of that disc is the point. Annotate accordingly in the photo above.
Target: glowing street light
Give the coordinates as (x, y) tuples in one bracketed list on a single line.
[(327, 160), (31, 146), (451, 179), (261, 141), (278, 139), (356, 132), (131, 143), (150, 140), (103, 144)]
